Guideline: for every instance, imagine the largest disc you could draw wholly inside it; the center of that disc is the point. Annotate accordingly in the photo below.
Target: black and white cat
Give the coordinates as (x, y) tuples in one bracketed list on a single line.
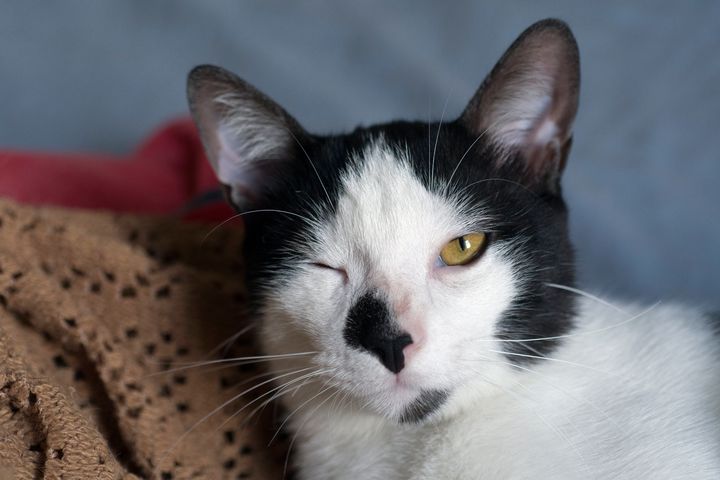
[(416, 284)]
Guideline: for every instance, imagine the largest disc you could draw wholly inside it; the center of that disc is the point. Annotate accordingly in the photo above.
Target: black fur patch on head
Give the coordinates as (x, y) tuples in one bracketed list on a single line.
[(529, 221), (428, 402)]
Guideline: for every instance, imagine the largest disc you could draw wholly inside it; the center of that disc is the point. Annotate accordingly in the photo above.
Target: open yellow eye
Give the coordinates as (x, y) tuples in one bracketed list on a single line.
[(462, 250)]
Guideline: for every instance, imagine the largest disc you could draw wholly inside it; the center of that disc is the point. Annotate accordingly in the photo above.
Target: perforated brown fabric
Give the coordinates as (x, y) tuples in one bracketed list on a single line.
[(92, 307)]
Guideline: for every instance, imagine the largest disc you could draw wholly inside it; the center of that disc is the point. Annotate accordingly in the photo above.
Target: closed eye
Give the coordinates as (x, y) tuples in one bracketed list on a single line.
[(339, 270)]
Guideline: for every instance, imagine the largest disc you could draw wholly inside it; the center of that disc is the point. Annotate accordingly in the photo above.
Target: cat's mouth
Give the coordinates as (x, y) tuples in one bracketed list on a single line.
[(401, 399)]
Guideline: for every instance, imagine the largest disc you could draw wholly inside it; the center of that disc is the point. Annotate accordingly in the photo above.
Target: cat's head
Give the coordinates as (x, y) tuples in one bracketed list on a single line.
[(412, 259)]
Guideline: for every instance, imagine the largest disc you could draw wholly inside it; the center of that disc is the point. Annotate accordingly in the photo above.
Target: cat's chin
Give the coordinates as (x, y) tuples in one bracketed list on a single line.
[(424, 407), (408, 406)]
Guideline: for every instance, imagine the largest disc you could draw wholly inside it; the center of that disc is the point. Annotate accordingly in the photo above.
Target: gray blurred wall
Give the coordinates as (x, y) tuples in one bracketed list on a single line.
[(643, 177)]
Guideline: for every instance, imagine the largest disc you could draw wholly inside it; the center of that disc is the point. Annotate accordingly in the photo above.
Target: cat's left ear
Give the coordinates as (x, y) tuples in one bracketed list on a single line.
[(526, 106)]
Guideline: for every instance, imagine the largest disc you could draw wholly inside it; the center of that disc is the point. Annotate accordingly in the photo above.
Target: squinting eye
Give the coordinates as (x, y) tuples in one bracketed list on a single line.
[(462, 250), (338, 270)]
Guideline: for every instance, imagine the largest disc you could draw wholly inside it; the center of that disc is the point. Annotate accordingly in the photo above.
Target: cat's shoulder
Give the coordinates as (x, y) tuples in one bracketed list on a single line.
[(660, 317)]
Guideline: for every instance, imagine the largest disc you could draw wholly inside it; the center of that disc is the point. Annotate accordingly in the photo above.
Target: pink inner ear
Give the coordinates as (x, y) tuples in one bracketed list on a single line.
[(244, 156), (229, 167), (528, 102), (545, 132), (542, 147), (512, 120)]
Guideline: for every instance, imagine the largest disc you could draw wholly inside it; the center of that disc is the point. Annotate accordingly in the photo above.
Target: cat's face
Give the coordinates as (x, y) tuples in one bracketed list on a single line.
[(408, 258)]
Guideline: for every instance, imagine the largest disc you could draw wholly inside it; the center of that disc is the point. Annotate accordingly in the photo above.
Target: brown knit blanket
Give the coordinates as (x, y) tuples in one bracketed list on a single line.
[(93, 308)]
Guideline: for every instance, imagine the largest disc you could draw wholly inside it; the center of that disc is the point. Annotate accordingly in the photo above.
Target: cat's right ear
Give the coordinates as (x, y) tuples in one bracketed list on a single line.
[(248, 138), (526, 106)]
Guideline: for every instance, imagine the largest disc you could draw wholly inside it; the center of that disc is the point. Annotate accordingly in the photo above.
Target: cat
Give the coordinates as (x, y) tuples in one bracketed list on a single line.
[(415, 288)]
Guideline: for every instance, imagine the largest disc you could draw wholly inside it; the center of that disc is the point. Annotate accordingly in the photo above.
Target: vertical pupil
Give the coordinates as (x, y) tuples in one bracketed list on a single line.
[(464, 243)]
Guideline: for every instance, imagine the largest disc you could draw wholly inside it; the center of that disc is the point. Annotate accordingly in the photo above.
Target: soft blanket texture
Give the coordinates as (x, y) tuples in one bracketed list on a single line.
[(93, 307)]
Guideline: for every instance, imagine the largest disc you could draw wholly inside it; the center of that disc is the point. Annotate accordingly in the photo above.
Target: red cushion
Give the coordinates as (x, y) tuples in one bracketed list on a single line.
[(163, 174)]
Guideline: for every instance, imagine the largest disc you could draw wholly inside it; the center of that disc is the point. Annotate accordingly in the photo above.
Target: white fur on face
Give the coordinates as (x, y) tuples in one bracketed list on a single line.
[(386, 234)]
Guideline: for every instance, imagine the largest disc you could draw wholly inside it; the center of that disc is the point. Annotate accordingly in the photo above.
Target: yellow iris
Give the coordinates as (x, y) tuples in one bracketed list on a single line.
[(462, 250)]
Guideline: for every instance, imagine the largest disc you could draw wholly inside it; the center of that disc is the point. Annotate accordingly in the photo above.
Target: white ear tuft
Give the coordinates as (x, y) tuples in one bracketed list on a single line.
[(528, 102)]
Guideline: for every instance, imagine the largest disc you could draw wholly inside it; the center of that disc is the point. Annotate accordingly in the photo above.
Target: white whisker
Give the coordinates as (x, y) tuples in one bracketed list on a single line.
[(449, 182), (324, 389), (223, 405), (313, 166), (271, 391), (234, 361), (297, 432), (437, 137), (588, 332), (276, 392), (504, 180), (429, 142), (227, 343), (586, 295), (550, 359), (261, 210)]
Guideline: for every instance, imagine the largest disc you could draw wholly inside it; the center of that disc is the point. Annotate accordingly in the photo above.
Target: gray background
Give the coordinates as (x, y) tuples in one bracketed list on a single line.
[(643, 177)]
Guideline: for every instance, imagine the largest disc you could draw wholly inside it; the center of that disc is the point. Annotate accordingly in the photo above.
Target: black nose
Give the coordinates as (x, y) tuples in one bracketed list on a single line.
[(389, 350), (370, 327)]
